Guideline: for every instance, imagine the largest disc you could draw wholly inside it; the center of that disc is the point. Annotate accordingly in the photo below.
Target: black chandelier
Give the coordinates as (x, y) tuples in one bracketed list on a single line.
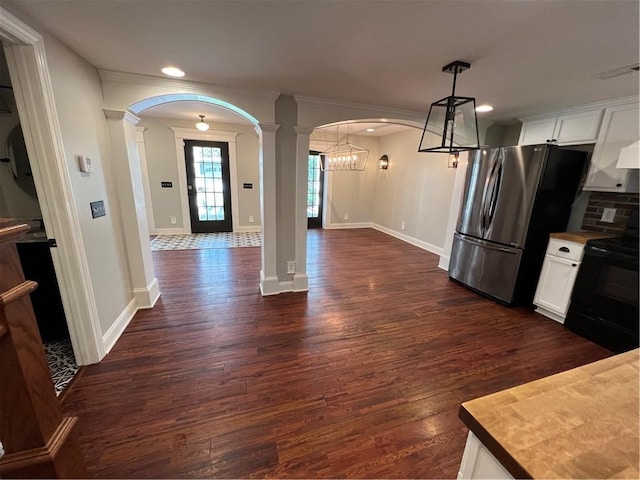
[(452, 125)]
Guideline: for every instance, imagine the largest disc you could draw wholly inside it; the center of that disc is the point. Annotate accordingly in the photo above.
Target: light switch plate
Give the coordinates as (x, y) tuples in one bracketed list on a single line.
[(97, 209)]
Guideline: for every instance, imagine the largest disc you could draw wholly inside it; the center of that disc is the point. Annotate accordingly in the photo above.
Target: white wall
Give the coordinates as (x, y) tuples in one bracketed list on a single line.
[(352, 193), (162, 166), (416, 189), (78, 98)]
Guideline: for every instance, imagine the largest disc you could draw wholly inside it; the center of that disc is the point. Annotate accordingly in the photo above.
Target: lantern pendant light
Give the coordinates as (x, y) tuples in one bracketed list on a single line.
[(452, 125)]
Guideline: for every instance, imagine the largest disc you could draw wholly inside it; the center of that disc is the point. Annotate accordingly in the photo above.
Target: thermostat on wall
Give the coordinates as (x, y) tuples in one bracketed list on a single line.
[(84, 164)]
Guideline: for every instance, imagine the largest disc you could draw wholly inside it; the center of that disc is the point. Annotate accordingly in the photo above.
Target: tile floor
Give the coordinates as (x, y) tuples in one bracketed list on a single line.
[(62, 363), (198, 241)]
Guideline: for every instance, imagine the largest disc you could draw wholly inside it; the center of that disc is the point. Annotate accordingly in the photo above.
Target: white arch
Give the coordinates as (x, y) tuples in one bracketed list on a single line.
[(139, 107), (391, 121)]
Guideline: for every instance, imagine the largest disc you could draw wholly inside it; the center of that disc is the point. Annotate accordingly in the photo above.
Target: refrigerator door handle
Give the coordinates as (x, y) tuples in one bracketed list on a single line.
[(488, 245), (496, 191), (487, 197)]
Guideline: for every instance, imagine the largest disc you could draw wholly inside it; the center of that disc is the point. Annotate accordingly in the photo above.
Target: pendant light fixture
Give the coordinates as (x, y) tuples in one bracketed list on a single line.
[(343, 156), (452, 125), (201, 125)]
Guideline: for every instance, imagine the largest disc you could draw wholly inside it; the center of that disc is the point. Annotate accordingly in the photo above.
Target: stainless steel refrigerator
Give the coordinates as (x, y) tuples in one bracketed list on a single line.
[(513, 198)]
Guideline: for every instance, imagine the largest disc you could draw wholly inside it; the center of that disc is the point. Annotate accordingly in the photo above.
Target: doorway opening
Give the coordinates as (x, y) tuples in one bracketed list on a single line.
[(208, 186), (315, 191)]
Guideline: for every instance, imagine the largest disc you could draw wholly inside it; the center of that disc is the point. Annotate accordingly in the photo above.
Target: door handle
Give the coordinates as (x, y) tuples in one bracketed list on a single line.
[(189, 187), (564, 249)]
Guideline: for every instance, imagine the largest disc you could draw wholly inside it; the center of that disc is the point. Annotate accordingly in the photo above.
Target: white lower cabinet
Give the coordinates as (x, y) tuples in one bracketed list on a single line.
[(558, 275), (479, 462)]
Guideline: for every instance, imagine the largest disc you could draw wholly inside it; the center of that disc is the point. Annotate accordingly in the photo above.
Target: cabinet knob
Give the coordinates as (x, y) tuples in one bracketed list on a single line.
[(564, 249), (618, 185), (574, 264)]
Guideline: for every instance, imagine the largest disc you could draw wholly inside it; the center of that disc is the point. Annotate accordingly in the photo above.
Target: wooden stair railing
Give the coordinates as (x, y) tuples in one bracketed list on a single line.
[(39, 442)]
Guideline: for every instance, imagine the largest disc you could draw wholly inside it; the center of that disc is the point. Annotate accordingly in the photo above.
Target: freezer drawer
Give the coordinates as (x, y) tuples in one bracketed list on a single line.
[(487, 267)]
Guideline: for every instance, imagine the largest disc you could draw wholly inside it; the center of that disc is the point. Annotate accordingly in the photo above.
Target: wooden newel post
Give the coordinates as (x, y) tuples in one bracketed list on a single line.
[(38, 441)]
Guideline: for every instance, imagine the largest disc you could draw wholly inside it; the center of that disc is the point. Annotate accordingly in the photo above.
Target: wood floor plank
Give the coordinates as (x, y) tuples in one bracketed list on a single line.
[(361, 377)]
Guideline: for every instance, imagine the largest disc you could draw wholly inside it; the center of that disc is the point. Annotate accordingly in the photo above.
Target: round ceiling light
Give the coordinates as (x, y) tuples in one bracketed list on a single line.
[(201, 125), (173, 72), (371, 129), (484, 108)]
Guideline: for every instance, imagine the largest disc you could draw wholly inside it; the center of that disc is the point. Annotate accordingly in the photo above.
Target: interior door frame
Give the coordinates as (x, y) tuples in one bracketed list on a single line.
[(194, 219), (182, 134), (29, 71), (319, 221)]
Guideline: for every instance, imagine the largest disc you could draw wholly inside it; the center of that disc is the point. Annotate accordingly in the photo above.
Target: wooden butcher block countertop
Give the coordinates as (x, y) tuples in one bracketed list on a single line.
[(579, 237), (582, 423)]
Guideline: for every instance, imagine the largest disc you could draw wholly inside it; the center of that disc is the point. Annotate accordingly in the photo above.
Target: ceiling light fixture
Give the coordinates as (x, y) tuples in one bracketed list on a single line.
[(452, 119), (371, 130), (173, 72), (343, 156), (484, 108), (201, 125)]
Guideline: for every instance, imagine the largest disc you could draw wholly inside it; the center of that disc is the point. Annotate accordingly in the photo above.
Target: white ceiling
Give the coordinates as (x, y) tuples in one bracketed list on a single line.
[(527, 57)]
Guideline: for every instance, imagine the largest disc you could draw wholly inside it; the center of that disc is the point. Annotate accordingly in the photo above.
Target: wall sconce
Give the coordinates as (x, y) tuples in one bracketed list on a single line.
[(383, 162), (452, 162)]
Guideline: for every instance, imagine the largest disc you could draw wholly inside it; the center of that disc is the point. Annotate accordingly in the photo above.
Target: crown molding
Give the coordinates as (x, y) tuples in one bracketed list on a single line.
[(14, 31), (182, 85), (582, 108), (121, 115), (389, 111)]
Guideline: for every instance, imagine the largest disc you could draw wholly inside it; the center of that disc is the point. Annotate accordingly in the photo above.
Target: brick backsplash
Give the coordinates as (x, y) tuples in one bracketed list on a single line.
[(624, 203)]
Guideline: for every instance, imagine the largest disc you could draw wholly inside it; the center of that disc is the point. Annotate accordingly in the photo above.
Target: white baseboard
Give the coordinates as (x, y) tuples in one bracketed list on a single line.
[(112, 335), (444, 263), (413, 241), (169, 231), (336, 226), (147, 297), (248, 229), (300, 283), (286, 286), (268, 285)]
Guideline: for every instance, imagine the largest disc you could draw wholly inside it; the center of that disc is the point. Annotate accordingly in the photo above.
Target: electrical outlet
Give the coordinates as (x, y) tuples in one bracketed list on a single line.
[(291, 266), (250, 218), (608, 215), (346, 216), (403, 225), (173, 220)]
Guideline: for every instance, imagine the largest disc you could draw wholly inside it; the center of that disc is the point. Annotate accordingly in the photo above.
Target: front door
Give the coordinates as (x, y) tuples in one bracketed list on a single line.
[(208, 186), (314, 191)]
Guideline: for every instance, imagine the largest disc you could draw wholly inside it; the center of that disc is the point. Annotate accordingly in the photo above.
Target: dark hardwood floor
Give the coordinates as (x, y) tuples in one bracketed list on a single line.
[(362, 377)]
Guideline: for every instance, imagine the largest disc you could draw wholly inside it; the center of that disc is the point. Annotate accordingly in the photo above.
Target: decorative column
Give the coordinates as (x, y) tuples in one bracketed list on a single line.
[(268, 273), (128, 175), (300, 279)]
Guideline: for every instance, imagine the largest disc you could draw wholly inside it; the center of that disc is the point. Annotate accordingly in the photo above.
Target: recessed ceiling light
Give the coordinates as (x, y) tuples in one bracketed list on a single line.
[(371, 129), (173, 72), (484, 108)]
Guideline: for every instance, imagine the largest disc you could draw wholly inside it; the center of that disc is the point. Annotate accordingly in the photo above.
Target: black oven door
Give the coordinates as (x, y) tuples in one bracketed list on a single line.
[(604, 304)]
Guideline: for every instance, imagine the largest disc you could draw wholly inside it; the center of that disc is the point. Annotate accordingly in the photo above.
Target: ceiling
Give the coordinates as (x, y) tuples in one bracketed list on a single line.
[(527, 57)]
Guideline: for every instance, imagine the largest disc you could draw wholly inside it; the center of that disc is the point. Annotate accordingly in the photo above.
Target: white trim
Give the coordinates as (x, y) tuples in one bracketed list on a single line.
[(387, 111), (582, 108), (444, 263), (268, 285), (550, 314), (300, 282), (146, 184), (413, 241), (204, 88), (33, 90), (116, 330), (182, 134), (148, 296), (249, 229), (170, 231), (339, 226), (286, 286)]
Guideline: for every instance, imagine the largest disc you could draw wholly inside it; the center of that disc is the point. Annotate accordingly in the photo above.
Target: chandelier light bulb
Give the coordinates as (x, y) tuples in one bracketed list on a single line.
[(201, 125)]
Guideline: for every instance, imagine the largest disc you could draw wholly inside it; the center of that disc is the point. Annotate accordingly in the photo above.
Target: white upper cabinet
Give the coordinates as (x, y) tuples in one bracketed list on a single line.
[(570, 128), (620, 128)]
